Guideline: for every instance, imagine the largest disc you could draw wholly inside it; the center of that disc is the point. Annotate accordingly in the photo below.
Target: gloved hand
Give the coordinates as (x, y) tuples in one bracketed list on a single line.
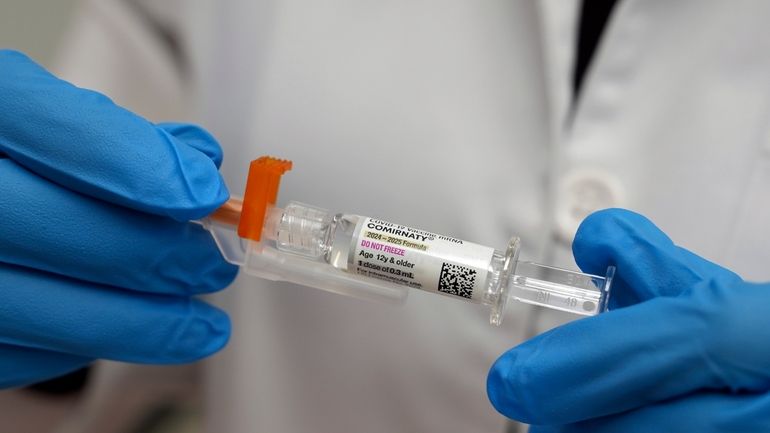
[(97, 259), (686, 348)]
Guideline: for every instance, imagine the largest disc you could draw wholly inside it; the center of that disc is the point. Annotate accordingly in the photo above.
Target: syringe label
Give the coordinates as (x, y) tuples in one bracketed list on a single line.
[(420, 259)]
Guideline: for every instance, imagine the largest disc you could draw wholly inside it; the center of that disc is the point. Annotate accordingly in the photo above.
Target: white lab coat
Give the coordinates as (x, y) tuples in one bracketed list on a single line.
[(453, 116)]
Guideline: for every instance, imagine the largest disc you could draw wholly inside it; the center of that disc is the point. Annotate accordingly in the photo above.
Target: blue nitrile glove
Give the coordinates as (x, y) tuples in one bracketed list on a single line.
[(686, 349), (97, 259)]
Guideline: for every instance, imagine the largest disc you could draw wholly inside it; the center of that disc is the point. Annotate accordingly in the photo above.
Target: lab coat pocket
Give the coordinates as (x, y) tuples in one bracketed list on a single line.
[(748, 252)]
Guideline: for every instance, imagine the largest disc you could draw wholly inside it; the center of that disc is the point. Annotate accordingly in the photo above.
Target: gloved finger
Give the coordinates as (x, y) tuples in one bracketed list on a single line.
[(82, 140), (606, 364), (195, 137), (549, 428), (665, 348), (703, 413), (48, 312), (648, 263), (48, 227), (21, 366)]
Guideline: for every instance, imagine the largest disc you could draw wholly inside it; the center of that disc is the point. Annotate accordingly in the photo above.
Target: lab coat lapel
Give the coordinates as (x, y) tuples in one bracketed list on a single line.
[(558, 21)]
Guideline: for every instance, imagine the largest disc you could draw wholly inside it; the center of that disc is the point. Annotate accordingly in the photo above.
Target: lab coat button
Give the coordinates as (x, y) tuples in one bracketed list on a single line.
[(581, 193)]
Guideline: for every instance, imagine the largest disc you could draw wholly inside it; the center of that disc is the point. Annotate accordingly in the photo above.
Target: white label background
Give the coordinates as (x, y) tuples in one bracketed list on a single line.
[(379, 246)]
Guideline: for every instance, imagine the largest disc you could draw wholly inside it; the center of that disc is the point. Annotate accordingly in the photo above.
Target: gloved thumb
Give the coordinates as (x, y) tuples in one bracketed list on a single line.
[(648, 263), (83, 141), (698, 333)]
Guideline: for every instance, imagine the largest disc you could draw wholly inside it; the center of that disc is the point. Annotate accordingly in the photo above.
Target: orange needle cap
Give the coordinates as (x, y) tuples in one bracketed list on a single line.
[(261, 192)]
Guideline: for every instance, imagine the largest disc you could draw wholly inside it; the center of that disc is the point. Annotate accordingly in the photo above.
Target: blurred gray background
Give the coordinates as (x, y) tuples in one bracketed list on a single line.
[(34, 26)]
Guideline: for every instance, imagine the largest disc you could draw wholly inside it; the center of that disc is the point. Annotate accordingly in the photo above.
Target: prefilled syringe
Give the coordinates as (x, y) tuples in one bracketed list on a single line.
[(372, 258)]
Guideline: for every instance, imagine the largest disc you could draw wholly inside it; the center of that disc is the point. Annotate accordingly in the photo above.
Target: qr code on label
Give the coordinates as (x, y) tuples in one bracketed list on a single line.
[(457, 280)]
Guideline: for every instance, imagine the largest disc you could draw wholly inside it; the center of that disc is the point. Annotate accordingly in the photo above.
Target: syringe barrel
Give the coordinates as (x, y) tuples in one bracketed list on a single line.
[(374, 259)]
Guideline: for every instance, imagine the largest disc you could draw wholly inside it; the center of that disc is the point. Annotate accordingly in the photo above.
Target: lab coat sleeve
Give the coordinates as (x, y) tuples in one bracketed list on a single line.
[(127, 49)]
